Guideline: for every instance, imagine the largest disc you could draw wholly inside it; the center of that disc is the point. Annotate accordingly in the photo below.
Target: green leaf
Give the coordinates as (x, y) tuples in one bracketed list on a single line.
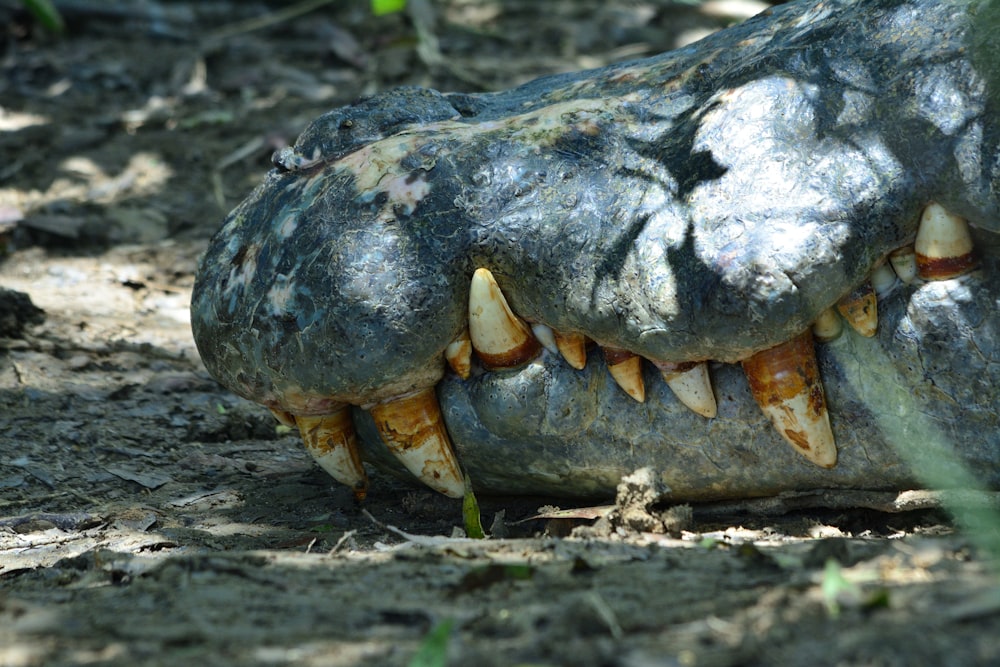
[(709, 543), (383, 7), (322, 528), (47, 15), (835, 585), (470, 513), (433, 651)]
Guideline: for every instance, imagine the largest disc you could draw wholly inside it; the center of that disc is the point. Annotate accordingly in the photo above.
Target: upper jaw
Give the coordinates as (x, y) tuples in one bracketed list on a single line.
[(915, 401)]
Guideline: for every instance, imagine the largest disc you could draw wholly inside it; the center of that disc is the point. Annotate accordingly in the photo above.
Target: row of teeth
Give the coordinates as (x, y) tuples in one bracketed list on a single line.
[(784, 380)]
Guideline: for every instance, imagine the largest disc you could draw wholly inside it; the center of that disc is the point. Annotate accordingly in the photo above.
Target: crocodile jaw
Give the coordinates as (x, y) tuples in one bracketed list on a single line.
[(693, 271)]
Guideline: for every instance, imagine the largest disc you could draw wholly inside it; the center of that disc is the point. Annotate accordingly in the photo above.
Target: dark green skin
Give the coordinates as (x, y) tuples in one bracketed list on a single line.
[(701, 205)]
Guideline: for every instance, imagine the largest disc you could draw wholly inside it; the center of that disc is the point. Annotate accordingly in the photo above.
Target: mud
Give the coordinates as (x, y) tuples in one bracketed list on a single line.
[(147, 516)]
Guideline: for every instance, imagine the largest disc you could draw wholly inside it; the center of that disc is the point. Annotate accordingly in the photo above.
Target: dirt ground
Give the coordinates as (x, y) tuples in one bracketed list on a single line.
[(147, 516)]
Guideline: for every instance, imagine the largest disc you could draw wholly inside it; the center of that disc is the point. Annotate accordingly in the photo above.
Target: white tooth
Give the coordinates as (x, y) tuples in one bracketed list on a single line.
[(944, 245), (626, 369), (786, 384), (413, 430), (459, 355), (904, 263), (692, 385), (573, 347), (860, 309), (285, 418), (545, 336), (827, 326), (883, 279), (500, 338), (332, 442)]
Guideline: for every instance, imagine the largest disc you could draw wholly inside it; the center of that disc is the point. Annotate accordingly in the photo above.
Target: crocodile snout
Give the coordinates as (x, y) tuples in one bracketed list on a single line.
[(648, 264)]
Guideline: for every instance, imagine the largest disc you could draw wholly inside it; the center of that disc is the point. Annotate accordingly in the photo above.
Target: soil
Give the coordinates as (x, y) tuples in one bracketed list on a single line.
[(148, 516)]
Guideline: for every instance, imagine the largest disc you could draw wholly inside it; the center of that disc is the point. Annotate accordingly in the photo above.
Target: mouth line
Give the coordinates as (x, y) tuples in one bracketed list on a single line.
[(501, 355), (512, 428)]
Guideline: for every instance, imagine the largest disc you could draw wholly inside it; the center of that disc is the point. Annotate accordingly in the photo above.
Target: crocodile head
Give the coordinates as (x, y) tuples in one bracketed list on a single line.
[(710, 211)]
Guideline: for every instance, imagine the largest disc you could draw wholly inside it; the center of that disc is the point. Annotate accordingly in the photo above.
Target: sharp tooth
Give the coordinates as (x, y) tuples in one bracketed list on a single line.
[(828, 326), (860, 309), (331, 441), (573, 347), (286, 418), (904, 263), (786, 385), (501, 338), (545, 336), (413, 430), (626, 369), (459, 355), (944, 245), (883, 279), (692, 385)]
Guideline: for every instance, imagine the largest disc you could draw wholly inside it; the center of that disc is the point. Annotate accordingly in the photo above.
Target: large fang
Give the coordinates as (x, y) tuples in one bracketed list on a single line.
[(626, 368), (785, 382), (332, 442), (573, 348), (414, 432), (459, 355), (692, 386), (943, 245), (501, 338), (860, 309)]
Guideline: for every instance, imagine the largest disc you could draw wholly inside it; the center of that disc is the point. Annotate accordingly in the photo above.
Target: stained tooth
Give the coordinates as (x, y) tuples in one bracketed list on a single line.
[(626, 368), (285, 418), (944, 245), (501, 338), (413, 430), (860, 309), (332, 442), (573, 347), (691, 384), (828, 326), (904, 263), (459, 355), (545, 336), (785, 382)]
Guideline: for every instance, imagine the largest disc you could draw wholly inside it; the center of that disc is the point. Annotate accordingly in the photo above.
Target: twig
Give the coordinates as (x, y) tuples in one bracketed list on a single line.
[(273, 18), (422, 540), (348, 534)]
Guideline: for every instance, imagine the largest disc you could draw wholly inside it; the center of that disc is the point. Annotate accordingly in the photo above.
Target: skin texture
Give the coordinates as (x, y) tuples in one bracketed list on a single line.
[(702, 205)]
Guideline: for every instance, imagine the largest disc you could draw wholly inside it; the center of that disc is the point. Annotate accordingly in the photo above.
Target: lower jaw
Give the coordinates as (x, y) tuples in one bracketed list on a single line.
[(914, 406)]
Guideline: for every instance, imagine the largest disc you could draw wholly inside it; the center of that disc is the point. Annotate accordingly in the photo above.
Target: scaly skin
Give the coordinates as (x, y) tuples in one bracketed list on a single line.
[(706, 204)]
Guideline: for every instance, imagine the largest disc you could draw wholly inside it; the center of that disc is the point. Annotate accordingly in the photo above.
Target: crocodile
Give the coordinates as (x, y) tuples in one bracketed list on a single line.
[(762, 263)]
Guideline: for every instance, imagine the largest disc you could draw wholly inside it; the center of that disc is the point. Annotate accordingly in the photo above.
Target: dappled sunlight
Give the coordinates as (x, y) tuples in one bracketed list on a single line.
[(83, 181), (147, 513), (12, 121)]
